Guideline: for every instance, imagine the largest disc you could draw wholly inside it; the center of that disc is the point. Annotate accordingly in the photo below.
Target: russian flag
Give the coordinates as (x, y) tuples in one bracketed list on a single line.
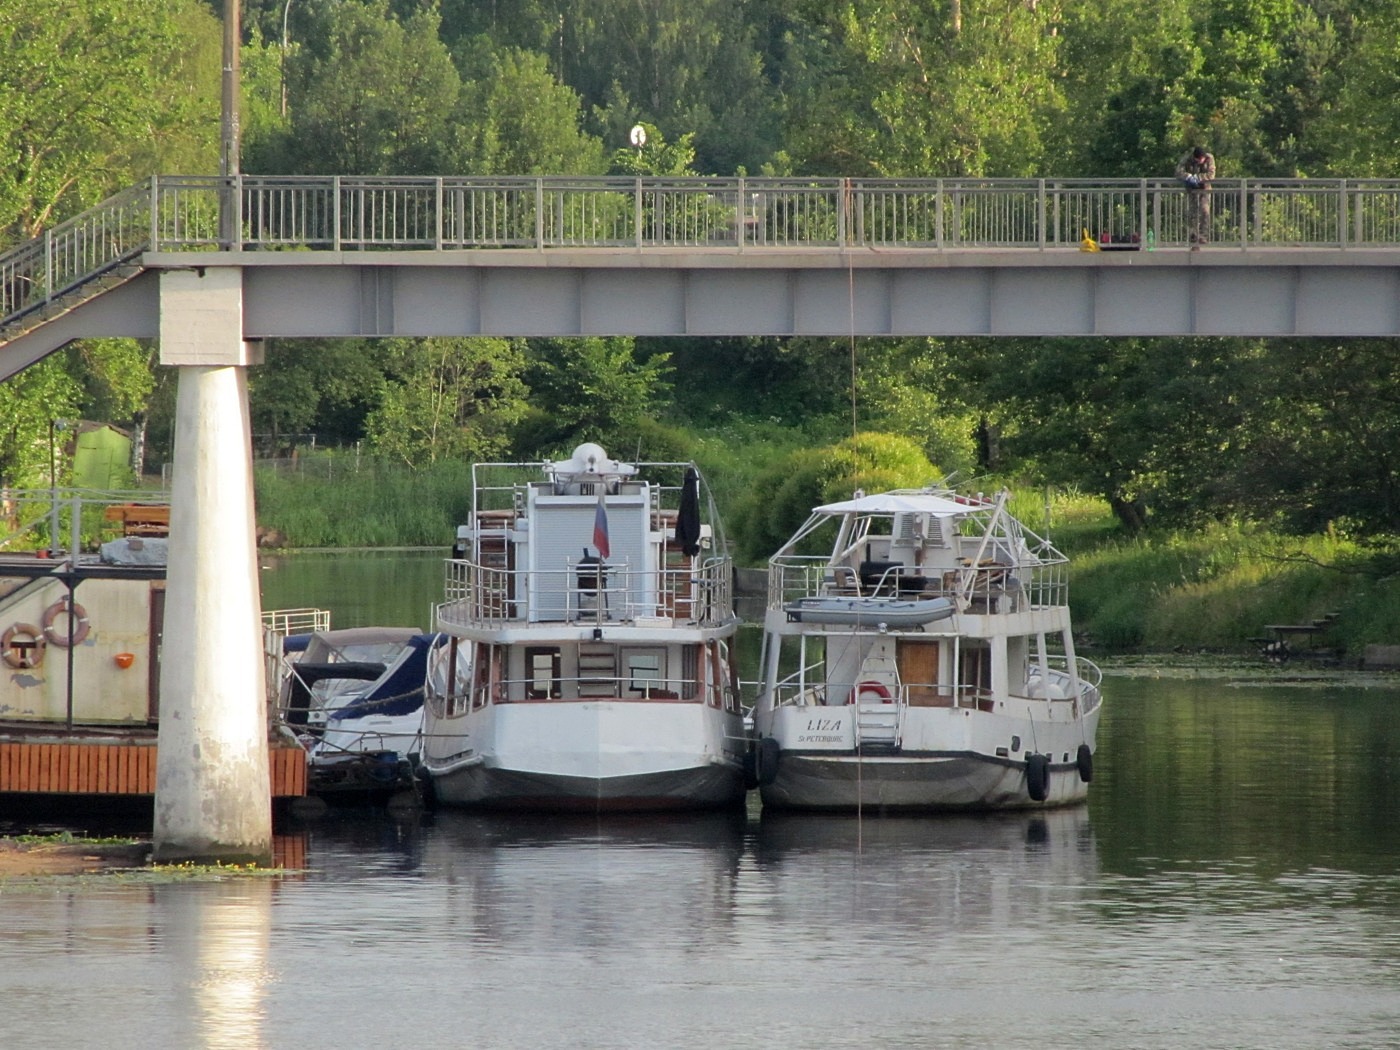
[(600, 527)]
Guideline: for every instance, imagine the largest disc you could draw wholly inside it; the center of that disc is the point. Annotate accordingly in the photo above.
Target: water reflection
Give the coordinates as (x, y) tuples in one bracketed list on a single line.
[(1233, 882), (553, 881), (218, 936), (913, 874)]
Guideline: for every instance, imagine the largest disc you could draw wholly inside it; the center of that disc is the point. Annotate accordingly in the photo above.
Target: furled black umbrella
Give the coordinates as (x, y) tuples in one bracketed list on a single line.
[(688, 516)]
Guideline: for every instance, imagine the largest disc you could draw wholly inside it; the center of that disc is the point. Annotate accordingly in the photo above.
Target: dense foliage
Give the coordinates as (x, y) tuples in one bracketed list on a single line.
[(1299, 434)]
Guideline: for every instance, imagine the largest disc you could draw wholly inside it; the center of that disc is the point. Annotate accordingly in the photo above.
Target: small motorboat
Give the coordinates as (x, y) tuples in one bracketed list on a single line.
[(354, 698)]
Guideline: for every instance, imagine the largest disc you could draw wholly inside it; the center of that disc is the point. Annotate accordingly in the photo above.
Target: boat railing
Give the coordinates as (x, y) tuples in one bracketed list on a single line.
[(1087, 674), (998, 587), (979, 588), (698, 594), (808, 686), (589, 687), (55, 522), (803, 686)]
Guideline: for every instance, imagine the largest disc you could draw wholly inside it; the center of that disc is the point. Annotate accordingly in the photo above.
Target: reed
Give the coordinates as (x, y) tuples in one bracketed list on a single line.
[(340, 500)]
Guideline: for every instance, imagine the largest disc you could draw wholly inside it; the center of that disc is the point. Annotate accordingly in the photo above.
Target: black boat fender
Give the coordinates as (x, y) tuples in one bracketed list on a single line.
[(766, 764), (1038, 777), (1085, 761), (750, 765)]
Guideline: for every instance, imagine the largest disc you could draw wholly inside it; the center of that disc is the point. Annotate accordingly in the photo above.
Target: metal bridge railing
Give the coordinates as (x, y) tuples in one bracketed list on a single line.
[(363, 213)]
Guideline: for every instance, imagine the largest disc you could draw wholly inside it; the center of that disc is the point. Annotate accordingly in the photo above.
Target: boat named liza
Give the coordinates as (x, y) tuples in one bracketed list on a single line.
[(589, 613), (924, 662)]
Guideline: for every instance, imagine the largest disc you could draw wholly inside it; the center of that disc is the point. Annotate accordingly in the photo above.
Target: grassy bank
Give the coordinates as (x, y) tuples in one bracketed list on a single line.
[(1208, 590), (331, 500)]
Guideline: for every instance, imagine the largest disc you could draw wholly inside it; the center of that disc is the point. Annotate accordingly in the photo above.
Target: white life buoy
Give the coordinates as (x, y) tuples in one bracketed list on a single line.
[(22, 646), (57, 613)]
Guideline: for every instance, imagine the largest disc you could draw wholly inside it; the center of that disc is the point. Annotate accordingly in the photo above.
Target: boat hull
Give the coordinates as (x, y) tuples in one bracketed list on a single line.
[(499, 787), (601, 755), (943, 782)]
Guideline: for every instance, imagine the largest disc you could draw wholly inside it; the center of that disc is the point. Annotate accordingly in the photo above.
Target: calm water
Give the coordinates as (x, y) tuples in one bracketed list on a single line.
[(1233, 882)]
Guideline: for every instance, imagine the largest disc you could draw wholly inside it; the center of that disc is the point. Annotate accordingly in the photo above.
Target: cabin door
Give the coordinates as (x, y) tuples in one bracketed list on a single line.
[(918, 671)]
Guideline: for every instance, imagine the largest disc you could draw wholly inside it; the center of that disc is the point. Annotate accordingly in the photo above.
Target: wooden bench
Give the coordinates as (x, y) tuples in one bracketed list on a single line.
[(140, 519)]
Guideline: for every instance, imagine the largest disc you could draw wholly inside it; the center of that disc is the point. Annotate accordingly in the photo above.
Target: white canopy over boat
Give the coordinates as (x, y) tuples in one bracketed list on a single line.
[(905, 503)]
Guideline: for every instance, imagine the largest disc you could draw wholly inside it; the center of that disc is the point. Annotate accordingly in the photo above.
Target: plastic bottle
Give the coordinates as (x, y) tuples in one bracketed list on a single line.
[(1151, 240)]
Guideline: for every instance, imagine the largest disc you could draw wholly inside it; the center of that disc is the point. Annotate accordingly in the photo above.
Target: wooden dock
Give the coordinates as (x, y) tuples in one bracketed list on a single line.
[(50, 765)]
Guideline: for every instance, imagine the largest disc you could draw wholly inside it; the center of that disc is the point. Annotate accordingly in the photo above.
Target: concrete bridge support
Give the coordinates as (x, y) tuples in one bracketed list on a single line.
[(213, 798)]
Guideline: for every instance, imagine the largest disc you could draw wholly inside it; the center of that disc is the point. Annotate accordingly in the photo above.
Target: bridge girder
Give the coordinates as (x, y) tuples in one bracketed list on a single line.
[(1220, 292)]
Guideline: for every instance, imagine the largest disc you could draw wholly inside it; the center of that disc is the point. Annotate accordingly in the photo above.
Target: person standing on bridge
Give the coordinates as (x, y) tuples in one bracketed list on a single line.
[(1196, 170)]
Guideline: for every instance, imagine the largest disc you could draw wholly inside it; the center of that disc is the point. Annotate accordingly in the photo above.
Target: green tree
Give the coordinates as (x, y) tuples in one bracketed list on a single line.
[(93, 94), (592, 389), (912, 387), (1126, 73), (448, 398), (1151, 425), (324, 387), (656, 156), (686, 66), (1359, 134), (891, 89), (1321, 447), (781, 497), (118, 377), (30, 404), (514, 119), (368, 94)]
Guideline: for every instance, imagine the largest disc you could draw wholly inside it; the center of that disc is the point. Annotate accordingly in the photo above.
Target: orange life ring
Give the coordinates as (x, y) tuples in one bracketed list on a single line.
[(80, 623), (877, 688), (29, 652)]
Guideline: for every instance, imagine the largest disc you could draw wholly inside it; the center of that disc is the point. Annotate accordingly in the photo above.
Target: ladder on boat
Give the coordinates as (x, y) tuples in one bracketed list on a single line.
[(877, 722), (877, 725), (597, 671)]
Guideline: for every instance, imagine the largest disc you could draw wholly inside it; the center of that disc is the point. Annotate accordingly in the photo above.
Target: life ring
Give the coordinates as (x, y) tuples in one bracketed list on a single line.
[(1038, 777), (80, 623), (22, 646), (860, 689)]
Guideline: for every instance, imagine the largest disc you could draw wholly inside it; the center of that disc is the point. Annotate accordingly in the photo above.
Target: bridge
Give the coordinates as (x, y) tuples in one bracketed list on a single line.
[(357, 256), (213, 267)]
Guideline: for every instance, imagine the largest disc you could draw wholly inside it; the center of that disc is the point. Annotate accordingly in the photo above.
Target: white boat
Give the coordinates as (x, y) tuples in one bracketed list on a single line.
[(354, 699), (865, 701), (590, 617)]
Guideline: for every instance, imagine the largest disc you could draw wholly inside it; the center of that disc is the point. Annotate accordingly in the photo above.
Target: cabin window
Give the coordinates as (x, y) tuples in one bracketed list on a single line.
[(975, 671), (481, 678), (458, 689), (722, 692), (542, 673), (690, 671), (645, 671)]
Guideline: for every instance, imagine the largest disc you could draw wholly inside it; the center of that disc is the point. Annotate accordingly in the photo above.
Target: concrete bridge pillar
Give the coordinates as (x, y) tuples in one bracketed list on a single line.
[(213, 796)]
